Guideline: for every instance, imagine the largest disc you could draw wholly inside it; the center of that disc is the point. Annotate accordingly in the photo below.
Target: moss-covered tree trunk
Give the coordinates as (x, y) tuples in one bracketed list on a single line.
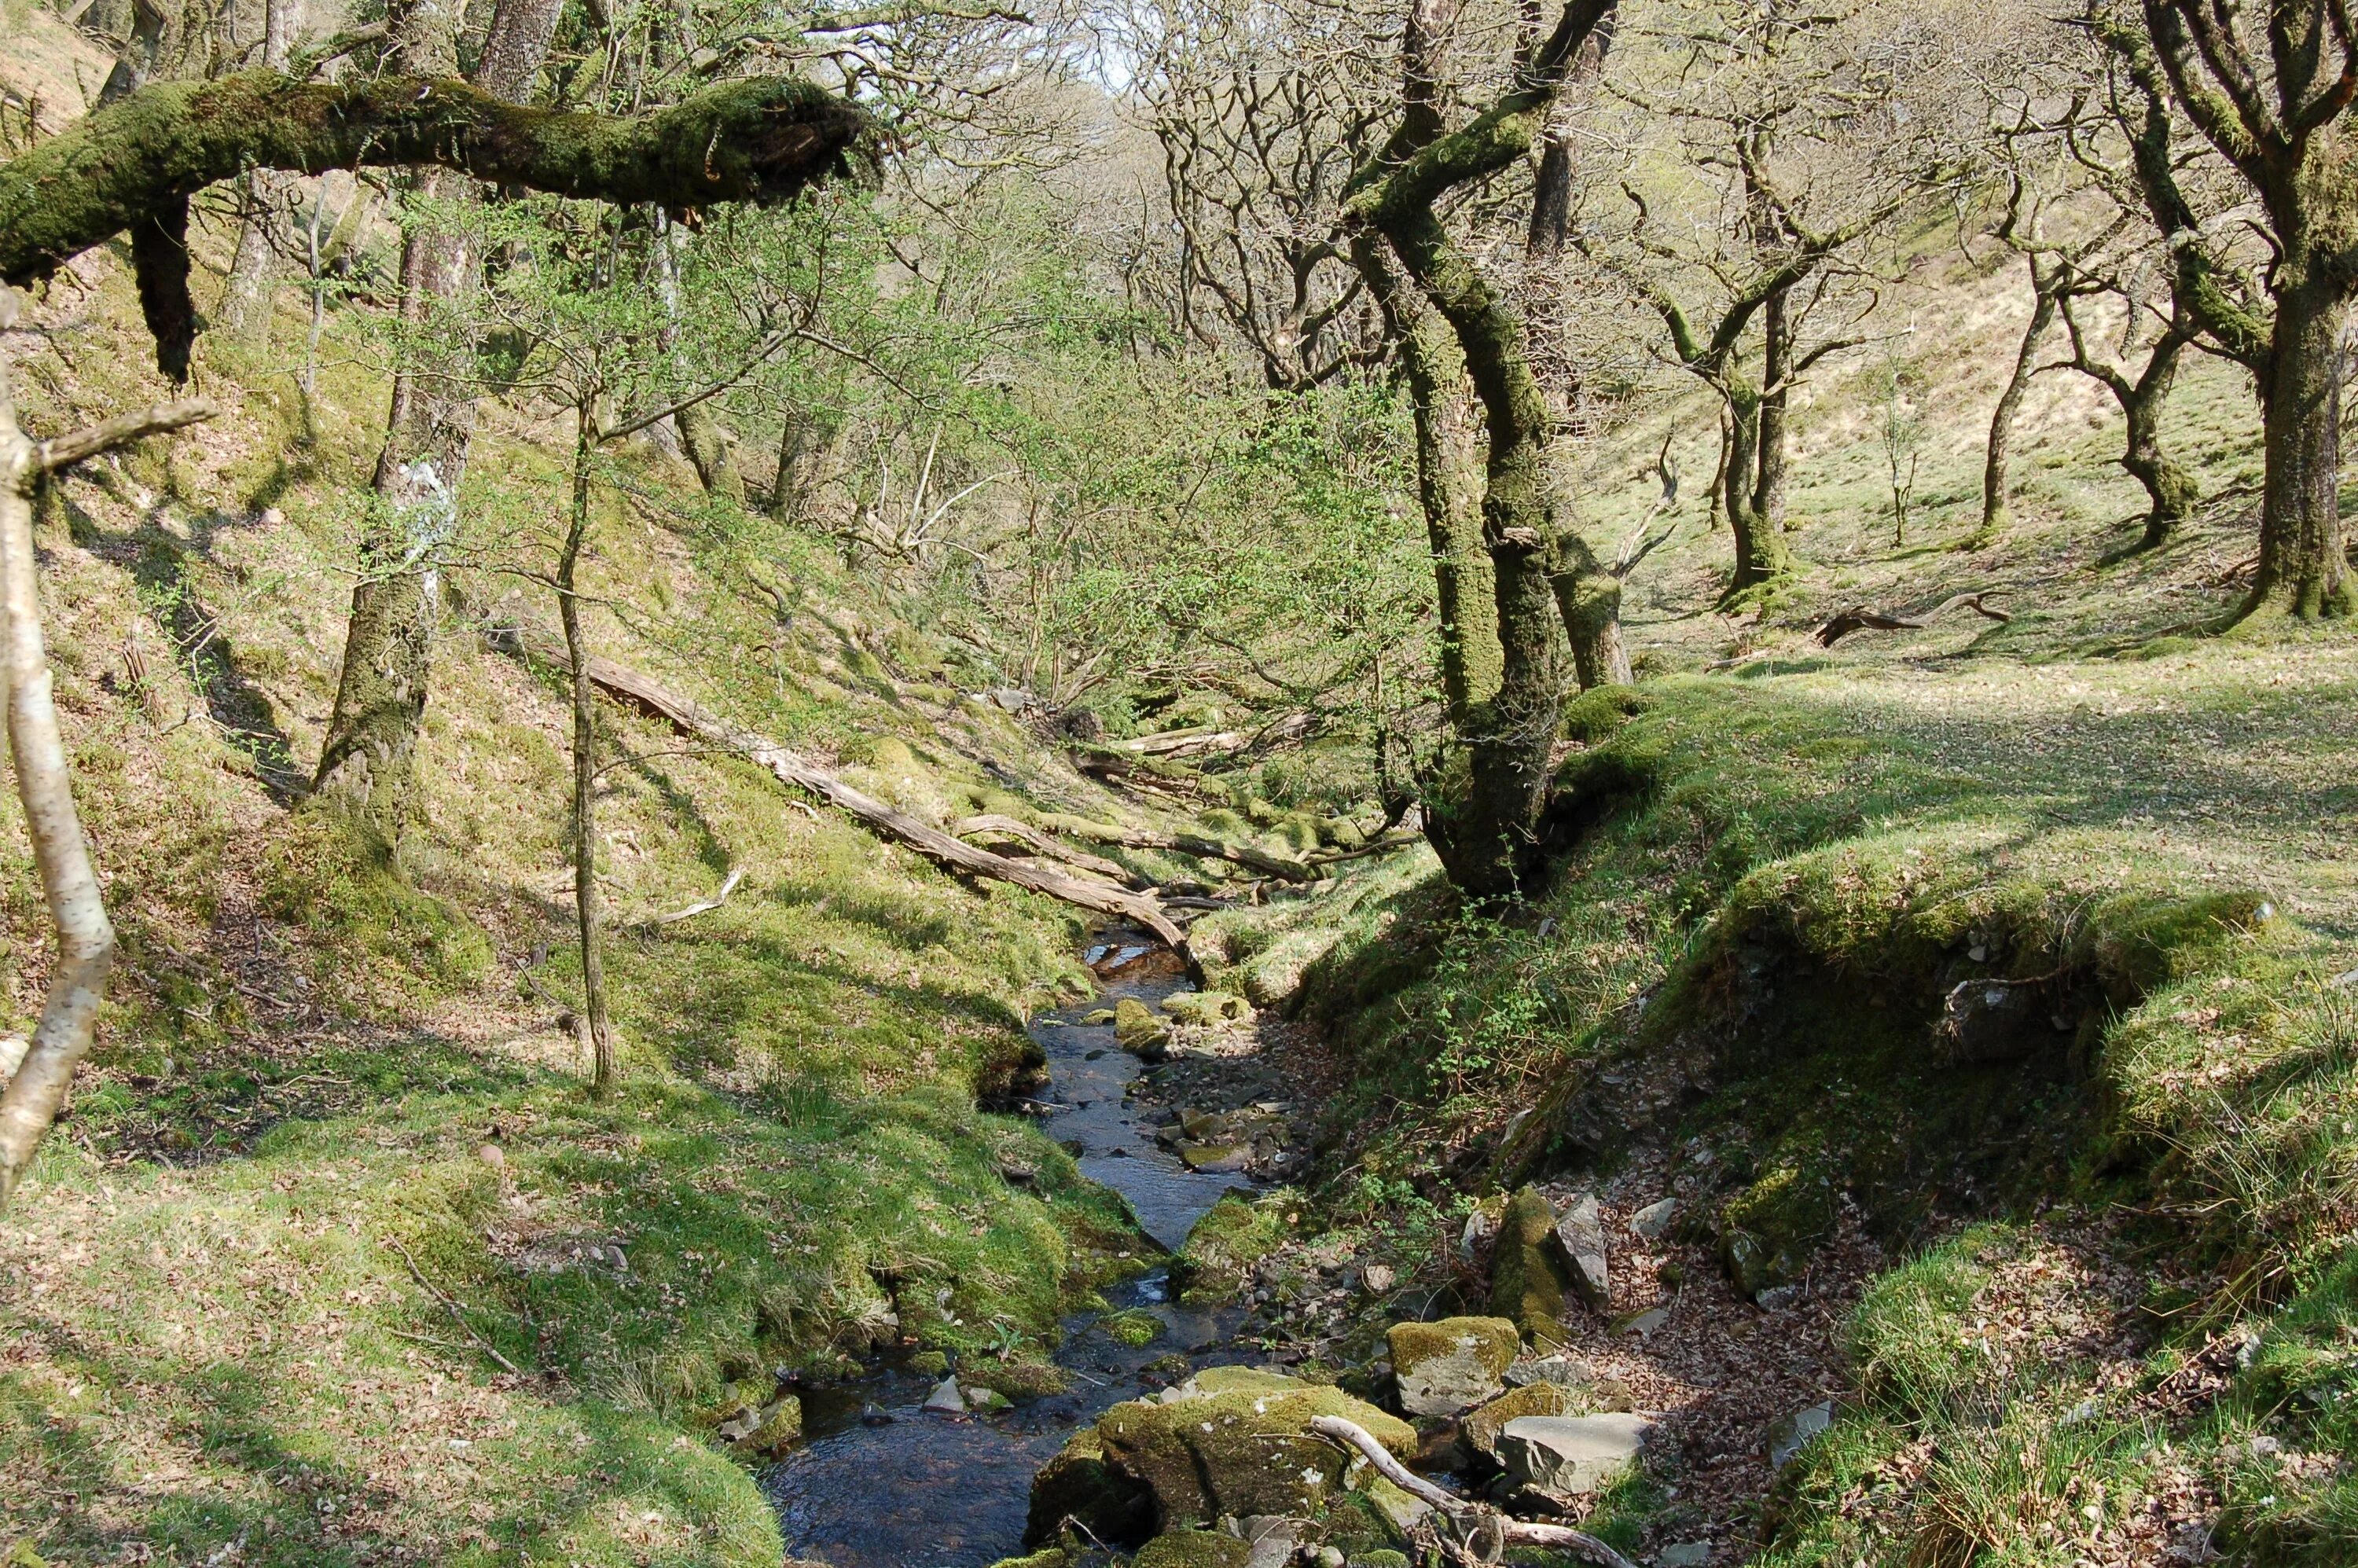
[(2172, 493), (2303, 572), (1776, 407), (1762, 554), (1434, 369), (1995, 516)]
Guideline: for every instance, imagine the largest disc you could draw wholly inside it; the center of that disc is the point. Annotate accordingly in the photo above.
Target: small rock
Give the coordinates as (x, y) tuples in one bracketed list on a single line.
[(1561, 1370), (1642, 1323), (1215, 1157), (1138, 1032), (1378, 1278), (1685, 1554), (1480, 1225), (988, 1402), (1653, 1221), (1580, 1231), (1331, 1557), (1613, 1394), (1572, 1456), (1481, 1427), (1099, 1018), (945, 1399), (1776, 1298), (1793, 1433)]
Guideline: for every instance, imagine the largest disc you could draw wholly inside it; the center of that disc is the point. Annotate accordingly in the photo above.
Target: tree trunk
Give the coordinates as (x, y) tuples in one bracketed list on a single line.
[(2303, 573), (710, 446), (1995, 516), (85, 940), (1487, 837), (595, 1031), (2173, 492), (1761, 555), (1464, 594), (1776, 392), (367, 761), (245, 311)]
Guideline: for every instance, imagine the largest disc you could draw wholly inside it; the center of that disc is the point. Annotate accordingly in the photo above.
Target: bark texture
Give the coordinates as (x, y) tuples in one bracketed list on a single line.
[(760, 140)]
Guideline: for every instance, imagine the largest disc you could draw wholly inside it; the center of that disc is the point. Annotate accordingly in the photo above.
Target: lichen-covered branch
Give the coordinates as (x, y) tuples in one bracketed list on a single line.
[(133, 163)]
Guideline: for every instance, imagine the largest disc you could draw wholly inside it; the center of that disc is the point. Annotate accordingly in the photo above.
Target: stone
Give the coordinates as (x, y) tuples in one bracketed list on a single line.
[(1215, 1157), (1792, 1434), (1138, 1032), (1580, 1231), (1642, 1323), (1654, 1222), (1482, 1426), (1193, 1549), (775, 1428), (1560, 1369), (988, 1402), (1684, 1554), (1079, 1485), (1099, 1018), (1207, 1007), (1234, 1440), (1776, 1298), (1378, 1278), (1571, 1456), (1330, 1557), (1480, 1227), (1382, 1557), (1528, 1282), (1451, 1366), (1273, 1538), (945, 1399)]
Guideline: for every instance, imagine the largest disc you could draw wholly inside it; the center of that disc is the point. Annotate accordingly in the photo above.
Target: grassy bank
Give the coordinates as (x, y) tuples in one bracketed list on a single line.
[(2059, 951)]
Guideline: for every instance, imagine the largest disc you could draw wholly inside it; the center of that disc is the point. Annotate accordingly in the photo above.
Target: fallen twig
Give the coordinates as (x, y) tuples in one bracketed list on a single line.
[(1518, 1532), (451, 1307), (1863, 618), (706, 906)]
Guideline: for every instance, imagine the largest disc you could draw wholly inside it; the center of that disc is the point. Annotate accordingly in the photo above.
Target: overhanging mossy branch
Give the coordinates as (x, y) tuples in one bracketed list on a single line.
[(136, 162)]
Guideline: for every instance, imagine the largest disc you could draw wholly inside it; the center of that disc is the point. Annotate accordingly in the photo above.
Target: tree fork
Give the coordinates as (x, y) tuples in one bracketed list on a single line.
[(135, 162)]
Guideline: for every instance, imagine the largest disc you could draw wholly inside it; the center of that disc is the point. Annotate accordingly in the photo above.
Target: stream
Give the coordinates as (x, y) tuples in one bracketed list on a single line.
[(881, 1483)]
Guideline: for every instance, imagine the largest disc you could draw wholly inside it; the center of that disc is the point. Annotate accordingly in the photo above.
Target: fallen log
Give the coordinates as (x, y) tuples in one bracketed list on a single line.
[(1863, 618), (987, 826), (1191, 844), (1180, 743), (650, 696), (1517, 1533)]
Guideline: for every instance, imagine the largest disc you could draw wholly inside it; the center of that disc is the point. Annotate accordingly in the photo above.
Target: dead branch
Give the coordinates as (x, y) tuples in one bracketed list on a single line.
[(451, 1307), (1191, 844), (1518, 1532), (704, 906), (1863, 618), (639, 691), (85, 937), (1025, 833)]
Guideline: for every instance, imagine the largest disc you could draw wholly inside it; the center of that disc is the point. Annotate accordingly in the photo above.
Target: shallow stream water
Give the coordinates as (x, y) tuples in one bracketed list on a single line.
[(880, 1483)]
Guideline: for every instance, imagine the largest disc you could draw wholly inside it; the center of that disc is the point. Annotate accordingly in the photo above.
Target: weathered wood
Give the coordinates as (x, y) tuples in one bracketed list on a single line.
[(85, 937), (1191, 844), (1518, 1532), (988, 826), (788, 767)]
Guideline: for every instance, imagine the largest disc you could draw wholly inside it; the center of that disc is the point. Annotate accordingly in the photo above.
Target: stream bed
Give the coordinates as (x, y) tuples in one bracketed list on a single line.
[(881, 1483)]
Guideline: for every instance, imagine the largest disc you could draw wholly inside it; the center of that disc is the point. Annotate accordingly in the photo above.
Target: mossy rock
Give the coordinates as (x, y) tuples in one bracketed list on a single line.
[(1299, 833), (1206, 1007), (1081, 1486), (1193, 1549), (1220, 1253), (1136, 1328), (1099, 1018), (1446, 1367), (1242, 1446), (1382, 1557), (1054, 1557), (887, 754), (931, 1364), (1016, 1380), (1341, 833), (1767, 1232), (1138, 1031), (1529, 1282), (1261, 813), (1482, 1426)]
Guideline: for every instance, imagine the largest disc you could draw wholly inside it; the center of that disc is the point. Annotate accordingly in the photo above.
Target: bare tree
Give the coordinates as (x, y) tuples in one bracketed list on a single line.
[(1487, 832), (2270, 94), (245, 296)]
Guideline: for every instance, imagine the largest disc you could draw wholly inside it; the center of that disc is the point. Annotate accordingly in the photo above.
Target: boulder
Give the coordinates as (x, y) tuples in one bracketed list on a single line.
[(1138, 1032), (947, 1399), (1580, 1231), (1220, 1253), (1230, 1441), (1528, 1280), (1452, 1365), (1481, 1427), (1573, 1455)]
